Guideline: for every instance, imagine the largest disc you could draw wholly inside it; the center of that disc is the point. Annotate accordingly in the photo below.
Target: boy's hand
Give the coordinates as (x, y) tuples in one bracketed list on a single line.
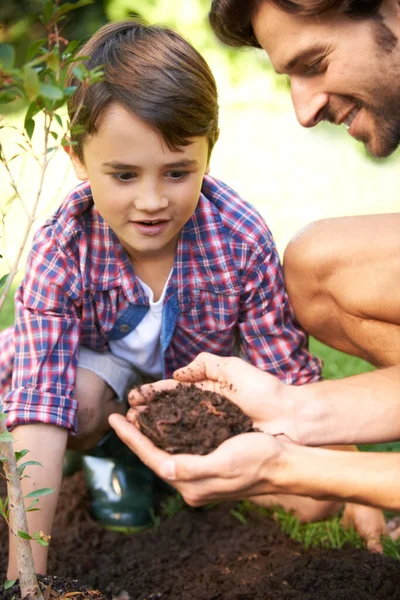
[(369, 523), (243, 466), (261, 396)]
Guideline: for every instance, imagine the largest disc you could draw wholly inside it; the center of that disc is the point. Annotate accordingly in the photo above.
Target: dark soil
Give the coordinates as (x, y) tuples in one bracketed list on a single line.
[(204, 554), (192, 421), (57, 588)]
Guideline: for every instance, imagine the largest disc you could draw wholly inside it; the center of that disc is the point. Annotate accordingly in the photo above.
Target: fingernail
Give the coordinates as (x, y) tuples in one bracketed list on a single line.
[(168, 470)]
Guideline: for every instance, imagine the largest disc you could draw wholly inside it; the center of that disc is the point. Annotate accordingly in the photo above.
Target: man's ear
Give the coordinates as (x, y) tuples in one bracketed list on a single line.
[(78, 165)]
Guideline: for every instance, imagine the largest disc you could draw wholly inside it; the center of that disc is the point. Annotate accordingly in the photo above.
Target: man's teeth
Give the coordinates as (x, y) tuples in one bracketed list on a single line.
[(350, 118)]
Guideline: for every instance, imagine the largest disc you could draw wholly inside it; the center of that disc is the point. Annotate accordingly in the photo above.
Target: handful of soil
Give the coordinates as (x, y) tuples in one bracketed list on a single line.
[(192, 421)]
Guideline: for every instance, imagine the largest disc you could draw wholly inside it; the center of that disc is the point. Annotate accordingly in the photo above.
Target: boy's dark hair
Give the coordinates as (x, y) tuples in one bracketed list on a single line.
[(231, 19), (154, 73)]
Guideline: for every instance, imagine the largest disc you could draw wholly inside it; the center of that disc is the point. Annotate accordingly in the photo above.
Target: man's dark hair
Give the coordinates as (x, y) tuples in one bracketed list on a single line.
[(231, 19), (154, 73)]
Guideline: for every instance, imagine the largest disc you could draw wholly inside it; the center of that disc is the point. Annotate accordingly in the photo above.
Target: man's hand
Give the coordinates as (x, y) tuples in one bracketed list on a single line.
[(243, 466), (262, 397), (368, 522)]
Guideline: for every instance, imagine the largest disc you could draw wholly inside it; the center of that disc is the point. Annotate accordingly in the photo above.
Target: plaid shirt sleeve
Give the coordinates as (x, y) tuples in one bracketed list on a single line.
[(46, 338), (271, 338)]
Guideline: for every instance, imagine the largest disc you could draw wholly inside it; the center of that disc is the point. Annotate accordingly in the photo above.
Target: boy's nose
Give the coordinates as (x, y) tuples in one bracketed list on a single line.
[(309, 104), (150, 199)]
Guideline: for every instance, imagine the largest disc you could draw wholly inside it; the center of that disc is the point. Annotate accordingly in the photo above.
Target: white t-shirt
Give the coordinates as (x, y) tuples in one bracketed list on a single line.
[(142, 347)]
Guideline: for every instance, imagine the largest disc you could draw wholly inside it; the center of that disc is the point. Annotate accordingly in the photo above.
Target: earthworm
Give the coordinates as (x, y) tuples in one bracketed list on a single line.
[(172, 421), (211, 408)]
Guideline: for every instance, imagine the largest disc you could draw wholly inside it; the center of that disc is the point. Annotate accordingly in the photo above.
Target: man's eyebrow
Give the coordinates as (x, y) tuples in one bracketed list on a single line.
[(174, 165), (303, 56)]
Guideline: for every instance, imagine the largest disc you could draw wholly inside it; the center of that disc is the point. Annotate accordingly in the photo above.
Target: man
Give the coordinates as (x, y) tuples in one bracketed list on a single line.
[(343, 276), (343, 60)]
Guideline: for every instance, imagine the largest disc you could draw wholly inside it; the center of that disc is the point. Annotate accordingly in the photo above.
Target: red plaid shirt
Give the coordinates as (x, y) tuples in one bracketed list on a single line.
[(226, 290)]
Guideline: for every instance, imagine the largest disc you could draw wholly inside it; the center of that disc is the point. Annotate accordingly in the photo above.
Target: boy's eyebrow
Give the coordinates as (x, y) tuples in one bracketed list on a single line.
[(174, 165), (302, 56)]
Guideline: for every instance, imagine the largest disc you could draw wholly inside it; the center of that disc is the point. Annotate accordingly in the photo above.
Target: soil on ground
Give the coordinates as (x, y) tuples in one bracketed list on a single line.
[(192, 421), (206, 554)]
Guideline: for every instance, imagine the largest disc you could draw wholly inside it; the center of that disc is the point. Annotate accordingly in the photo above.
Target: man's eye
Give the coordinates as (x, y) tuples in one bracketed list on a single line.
[(123, 176), (316, 67)]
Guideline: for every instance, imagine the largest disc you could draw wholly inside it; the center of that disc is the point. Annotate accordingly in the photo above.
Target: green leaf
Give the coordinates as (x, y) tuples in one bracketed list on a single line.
[(6, 97), (80, 72), (53, 61), (41, 541), (22, 467), (34, 48), (40, 492), (47, 11), (67, 7), (6, 437), (54, 134), (2, 283), (238, 515), (58, 119), (81, 58), (9, 583), (29, 127), (50, 92), (71, 89), (7, 56), (72, 46), (24, 535), (20, 454), (31, 82), (32, 504)]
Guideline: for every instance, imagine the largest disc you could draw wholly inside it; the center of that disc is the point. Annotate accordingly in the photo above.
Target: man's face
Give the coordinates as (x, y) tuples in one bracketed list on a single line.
[(342, 70)]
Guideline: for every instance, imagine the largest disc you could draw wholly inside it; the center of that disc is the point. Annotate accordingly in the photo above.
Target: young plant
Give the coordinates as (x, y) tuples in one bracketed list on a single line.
[(12, 509), (40, 85)]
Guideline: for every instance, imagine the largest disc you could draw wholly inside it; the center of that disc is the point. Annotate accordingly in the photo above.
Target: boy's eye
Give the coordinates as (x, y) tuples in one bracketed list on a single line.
[(123, 176), (177, 175)]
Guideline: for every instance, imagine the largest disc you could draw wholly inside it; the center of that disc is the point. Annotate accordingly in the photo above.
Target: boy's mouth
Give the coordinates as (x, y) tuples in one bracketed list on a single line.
[(150, 226), (150, 223)]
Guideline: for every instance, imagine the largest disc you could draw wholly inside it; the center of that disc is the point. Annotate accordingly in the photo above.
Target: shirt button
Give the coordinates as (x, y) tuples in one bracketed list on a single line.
[(124, 328)]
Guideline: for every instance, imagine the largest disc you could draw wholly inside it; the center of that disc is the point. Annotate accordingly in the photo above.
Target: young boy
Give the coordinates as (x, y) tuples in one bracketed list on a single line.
[(145, 264)]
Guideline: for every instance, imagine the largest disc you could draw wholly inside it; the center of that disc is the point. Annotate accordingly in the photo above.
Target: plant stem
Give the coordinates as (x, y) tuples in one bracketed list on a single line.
[(31, 215), (28, 582)]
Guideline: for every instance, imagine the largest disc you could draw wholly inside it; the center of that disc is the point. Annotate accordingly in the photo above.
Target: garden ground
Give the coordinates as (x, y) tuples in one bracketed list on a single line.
[(222, 552)]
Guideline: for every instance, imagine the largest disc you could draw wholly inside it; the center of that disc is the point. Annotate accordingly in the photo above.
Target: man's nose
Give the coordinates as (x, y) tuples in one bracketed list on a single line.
[(309, 104), (150, 198)]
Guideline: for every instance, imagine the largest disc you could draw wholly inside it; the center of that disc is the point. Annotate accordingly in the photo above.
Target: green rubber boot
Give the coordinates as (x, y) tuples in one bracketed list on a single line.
[(72, 463), (120, 485)]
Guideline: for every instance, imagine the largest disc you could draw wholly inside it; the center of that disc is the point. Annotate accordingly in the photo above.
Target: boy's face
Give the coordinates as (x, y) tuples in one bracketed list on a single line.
[(142, 189)]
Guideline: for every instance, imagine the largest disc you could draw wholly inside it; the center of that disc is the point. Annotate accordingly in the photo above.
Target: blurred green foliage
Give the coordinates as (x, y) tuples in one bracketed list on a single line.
[(19, 26)]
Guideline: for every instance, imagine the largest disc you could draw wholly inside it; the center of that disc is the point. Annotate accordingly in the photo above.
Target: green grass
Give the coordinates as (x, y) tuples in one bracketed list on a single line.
[(338, 364), (322, 534)]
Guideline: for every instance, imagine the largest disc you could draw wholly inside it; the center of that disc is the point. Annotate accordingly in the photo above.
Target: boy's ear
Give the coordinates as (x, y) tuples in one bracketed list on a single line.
[(79, 167)]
